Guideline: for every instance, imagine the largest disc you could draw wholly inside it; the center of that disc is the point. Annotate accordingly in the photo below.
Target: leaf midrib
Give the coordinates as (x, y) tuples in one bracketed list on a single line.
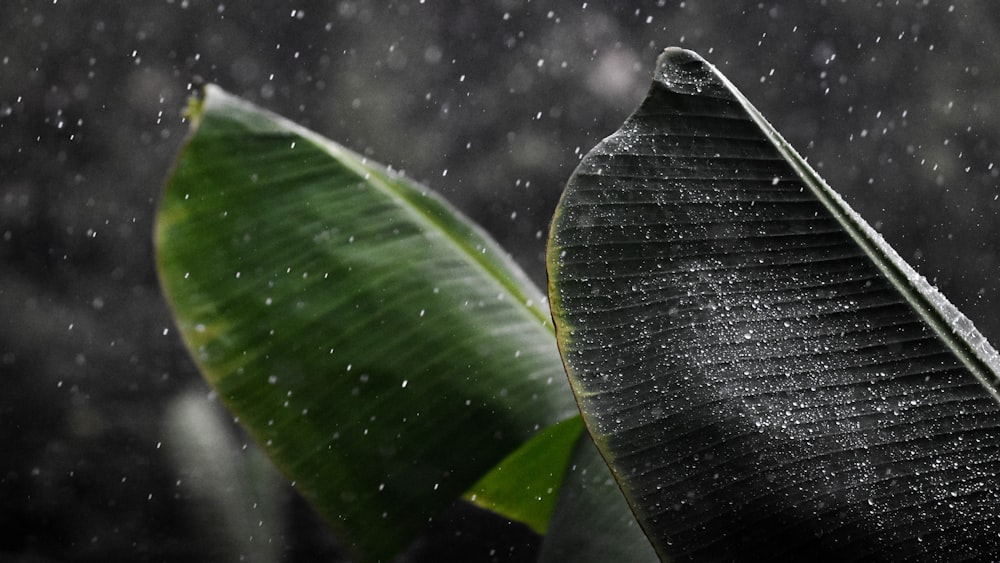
[(215, 97)]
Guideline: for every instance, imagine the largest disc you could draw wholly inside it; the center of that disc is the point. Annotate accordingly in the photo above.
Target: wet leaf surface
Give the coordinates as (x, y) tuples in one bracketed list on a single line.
[(385, 352), (767, 378)]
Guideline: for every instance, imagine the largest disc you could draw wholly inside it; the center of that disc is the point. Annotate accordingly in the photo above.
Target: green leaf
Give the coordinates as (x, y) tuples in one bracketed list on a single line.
[(767, 378), (535, 470), (386, 353)]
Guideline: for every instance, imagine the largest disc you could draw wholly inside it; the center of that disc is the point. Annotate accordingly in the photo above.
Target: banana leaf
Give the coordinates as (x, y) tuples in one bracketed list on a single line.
[(385, 352), (766, 377)]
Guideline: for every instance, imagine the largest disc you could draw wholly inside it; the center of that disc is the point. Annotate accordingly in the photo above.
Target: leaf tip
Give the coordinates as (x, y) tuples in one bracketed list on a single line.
[(685, 72), (195, 108), (198, 103)]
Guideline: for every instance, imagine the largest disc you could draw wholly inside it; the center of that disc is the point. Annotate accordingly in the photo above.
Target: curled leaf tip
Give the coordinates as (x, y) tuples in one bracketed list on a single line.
[(685, 72)]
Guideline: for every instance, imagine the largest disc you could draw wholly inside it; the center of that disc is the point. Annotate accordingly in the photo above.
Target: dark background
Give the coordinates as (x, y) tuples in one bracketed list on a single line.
[(111, 446)]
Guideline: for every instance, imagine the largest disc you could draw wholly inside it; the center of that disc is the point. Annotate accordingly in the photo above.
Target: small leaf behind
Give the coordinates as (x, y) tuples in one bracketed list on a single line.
[(535, 471)]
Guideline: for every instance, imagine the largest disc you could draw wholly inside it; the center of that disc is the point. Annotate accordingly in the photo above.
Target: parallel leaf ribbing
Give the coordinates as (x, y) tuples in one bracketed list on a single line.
[(762, 387)]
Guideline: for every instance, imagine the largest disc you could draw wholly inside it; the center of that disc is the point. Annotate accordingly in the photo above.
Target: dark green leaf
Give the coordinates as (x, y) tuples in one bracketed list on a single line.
[(767, 378), (385, 353), (592, 522)]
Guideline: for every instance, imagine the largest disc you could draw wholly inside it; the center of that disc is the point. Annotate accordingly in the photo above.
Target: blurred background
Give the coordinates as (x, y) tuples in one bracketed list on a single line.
[(113, 448)]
